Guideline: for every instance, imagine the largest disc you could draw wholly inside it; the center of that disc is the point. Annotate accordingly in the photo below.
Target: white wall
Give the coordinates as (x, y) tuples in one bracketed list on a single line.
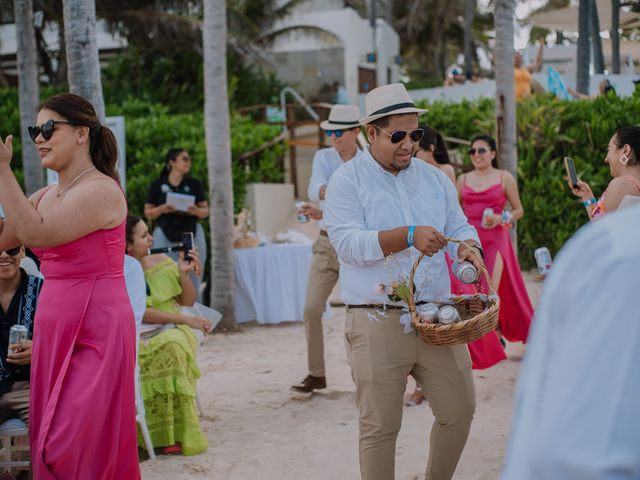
[(351, 32)]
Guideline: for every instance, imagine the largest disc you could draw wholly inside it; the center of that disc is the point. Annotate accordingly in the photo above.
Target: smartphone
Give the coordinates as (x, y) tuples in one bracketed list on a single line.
[(571, 171), (187, 243)]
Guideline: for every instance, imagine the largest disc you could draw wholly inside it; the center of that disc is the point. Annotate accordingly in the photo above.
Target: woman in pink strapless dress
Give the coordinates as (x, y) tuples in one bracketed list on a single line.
[(489, 187), (82, 407)]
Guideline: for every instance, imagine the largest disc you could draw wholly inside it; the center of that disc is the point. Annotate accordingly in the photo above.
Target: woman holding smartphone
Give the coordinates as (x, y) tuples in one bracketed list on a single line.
[(624, 165), (487, 187), (167, 355)]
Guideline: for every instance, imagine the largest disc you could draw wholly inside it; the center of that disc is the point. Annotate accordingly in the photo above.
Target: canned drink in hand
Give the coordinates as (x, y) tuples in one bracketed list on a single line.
[(301, 217), (18, 334), (448, 314), (507, 218), (543, 260), (465, 271), (486, 215), (427, 313)]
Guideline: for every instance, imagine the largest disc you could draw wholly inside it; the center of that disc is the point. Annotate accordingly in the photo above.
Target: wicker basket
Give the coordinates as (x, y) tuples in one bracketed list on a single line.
[(479, 316)]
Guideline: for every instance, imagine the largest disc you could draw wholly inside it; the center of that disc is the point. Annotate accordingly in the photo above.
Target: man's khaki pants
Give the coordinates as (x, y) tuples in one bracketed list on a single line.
[(322, 278), (15, 403), (381, 356)]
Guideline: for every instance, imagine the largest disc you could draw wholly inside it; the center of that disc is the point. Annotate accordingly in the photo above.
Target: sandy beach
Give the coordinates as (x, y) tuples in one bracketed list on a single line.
[(258, 429)]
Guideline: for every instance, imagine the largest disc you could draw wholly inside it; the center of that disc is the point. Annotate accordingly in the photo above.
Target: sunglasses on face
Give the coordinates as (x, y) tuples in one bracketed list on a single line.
[(331, 133), (46, 129), (398, 135), (479, 151), (12, 252)]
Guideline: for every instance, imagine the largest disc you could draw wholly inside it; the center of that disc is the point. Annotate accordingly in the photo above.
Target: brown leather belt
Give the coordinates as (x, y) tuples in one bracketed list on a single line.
[(324, 233)]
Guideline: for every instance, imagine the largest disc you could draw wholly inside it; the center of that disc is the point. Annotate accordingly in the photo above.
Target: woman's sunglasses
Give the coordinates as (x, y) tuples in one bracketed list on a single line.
[(46, 129), (331, 133), (479, 151), (398, 135), (12, 252)]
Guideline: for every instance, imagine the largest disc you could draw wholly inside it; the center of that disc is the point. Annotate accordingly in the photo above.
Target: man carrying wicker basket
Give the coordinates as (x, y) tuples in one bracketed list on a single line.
[(382, 203)]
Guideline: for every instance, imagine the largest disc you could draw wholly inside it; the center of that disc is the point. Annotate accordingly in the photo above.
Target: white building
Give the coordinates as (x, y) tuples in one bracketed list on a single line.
[(337, 47)]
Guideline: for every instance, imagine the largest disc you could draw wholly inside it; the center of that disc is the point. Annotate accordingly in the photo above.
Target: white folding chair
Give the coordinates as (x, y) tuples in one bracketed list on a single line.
[(140, 413), (10, 431)]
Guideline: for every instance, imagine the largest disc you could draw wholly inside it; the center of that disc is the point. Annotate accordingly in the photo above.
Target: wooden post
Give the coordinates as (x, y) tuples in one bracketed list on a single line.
[(291, 126)]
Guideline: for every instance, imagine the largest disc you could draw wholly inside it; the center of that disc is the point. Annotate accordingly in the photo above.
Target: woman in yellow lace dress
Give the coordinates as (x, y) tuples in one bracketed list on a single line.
[(168, 367)]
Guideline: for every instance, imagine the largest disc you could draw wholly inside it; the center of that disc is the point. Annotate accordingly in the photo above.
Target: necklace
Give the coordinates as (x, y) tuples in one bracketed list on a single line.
[(60, 192)]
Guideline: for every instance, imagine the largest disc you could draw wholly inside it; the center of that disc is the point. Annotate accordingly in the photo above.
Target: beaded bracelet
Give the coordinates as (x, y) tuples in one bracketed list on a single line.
[(586, 203)]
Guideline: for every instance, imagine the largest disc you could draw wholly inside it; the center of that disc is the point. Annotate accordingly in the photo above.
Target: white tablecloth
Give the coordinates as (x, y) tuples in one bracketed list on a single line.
[(271, 282)]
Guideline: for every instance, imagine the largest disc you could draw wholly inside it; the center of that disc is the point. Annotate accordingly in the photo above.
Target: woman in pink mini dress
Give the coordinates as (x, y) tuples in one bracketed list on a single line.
[(82, 408)]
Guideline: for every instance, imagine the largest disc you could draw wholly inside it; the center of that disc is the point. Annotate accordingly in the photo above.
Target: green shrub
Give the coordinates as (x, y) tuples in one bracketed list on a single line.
[(548, 130), (151, 131)]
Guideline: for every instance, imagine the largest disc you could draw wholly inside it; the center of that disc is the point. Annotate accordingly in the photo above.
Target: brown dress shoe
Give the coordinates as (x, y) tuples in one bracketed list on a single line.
[(310, 383)]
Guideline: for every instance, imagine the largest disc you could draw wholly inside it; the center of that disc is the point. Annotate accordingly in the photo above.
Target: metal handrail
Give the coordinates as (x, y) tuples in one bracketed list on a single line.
[(283, 104)]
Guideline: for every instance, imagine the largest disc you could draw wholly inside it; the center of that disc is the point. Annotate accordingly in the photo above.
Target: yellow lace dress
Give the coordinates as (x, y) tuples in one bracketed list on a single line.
[(169, 371)]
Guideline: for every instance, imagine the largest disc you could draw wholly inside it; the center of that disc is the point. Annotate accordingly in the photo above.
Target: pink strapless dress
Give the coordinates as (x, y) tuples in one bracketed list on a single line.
[(515, 307), (82, 406), (487, 350)]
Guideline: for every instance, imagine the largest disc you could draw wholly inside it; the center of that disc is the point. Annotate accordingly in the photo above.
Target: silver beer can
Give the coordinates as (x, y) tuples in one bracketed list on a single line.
[(543, 260), (486, 214), (448, 314), (301, 217), (427, 313), (466, 272), (18, 334)]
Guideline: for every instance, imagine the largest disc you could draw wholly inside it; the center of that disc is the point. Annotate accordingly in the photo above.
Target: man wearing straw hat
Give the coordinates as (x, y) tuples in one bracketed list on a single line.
[(342, 128), (387, 202)]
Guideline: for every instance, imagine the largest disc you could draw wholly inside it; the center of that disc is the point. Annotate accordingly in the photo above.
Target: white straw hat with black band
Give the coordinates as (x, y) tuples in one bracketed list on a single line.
[(392, 99), (342, 117)]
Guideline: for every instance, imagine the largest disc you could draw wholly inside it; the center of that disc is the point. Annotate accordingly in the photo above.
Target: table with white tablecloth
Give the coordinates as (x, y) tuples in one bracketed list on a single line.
[(271, 282)]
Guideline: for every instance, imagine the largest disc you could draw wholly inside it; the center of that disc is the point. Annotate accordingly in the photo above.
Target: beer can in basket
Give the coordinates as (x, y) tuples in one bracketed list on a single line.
[(543, 260), (18, 334), (301, 217), (427, 313), (448, 314), (486, 214), (465, 271)]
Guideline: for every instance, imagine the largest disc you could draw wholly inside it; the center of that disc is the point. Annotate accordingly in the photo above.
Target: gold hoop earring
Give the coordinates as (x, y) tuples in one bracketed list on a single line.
[(624, 160)]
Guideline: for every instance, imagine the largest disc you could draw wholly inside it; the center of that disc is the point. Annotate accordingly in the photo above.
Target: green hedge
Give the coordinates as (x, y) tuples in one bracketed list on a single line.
[(548, 130), (151, 131)]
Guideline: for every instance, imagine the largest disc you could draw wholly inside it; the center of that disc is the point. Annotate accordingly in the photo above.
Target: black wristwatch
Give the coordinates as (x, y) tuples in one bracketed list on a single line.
[(479, 248)]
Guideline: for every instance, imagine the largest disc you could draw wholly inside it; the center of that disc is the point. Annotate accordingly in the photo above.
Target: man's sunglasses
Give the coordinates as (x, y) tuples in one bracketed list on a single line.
[(398, 135), (46, 129), (479, 151), (331, 133), (12, 252)]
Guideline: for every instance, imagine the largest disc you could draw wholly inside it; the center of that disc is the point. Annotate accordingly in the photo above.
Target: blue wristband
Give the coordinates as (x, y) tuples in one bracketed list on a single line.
[(589, 202), (410, 231)]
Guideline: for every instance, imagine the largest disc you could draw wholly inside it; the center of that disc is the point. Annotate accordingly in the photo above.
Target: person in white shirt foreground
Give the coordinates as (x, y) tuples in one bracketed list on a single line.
[(342, 128), (576, 411), (387, 202)]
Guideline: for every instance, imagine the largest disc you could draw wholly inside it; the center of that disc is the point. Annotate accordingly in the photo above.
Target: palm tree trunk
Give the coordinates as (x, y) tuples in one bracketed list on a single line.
[(505, 85), (615, 36), (83, 63), (584, 51), (468, 36), (596, 41), (218, 140), (28, 92)]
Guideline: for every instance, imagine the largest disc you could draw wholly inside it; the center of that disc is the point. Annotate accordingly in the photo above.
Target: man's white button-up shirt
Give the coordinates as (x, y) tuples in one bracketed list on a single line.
[(363, 199)]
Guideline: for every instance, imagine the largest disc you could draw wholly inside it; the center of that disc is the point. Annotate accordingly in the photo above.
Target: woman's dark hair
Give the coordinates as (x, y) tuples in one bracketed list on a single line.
[(171, 156), (78, 111), (132, 221), (629, 136), (433, 137), (492, 146)]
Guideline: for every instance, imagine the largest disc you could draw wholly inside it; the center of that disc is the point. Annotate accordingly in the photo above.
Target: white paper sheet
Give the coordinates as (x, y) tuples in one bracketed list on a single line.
[(180, 201)]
